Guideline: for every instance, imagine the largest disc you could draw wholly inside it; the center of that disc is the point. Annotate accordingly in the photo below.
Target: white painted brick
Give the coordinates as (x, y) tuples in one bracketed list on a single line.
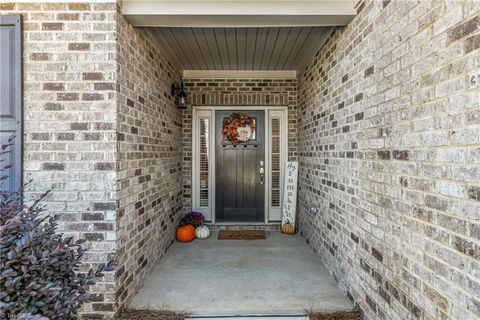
[(450, 155), (452, 16), (467, 136), (466, 173), (450, 189)]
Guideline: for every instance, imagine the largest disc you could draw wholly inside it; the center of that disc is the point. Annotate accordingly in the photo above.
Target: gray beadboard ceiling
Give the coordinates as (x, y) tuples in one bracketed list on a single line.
[(252, 48)]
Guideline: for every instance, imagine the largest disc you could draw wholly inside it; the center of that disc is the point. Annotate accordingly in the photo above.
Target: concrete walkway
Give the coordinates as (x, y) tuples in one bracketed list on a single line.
[(276, 276)]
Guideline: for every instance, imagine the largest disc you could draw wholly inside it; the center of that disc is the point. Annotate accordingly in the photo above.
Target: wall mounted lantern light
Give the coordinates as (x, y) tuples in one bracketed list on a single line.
[(181, 95)]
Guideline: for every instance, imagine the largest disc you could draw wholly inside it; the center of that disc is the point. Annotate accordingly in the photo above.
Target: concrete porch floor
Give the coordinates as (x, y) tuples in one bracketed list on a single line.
[(276, 276)]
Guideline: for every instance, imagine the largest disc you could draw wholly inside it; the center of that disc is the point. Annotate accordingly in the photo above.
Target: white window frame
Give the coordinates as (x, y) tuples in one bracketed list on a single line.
[(272, 215), (207, 211)]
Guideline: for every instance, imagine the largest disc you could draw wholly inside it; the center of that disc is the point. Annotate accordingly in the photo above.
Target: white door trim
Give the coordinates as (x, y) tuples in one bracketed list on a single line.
[(209, 111)]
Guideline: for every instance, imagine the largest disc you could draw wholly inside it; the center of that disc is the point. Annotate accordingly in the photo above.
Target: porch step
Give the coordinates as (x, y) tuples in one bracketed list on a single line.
[(266, 227)]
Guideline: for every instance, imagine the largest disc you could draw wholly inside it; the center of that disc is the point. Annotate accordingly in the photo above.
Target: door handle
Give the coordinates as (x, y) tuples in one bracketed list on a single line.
[(262, 172)]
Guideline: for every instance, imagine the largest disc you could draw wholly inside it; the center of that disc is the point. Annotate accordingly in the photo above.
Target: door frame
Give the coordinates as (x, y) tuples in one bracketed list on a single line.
[(210, 110)]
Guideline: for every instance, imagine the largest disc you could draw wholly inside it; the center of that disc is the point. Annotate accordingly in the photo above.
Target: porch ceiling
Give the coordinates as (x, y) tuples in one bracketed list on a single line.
[(239, 34), (265, 48)]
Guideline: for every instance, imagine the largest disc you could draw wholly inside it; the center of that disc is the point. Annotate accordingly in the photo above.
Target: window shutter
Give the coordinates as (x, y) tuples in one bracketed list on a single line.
[(11, 99)]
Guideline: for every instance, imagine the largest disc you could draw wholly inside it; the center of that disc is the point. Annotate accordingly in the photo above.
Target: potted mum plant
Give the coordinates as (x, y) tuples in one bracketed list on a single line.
[(196, 219), (188, 225)]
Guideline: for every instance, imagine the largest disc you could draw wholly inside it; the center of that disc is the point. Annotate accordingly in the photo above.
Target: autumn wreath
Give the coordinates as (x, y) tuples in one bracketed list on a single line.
[(238, 128)]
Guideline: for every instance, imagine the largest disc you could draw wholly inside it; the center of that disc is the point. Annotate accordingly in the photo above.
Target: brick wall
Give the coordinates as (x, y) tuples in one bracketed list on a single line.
[(100, 128), (389, 150), (235, 92), (70, 122), (149, 185), (388, 140)]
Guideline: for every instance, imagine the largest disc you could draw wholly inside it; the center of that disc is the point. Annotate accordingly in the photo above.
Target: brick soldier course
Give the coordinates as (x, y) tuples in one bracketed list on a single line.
[(385, 121)]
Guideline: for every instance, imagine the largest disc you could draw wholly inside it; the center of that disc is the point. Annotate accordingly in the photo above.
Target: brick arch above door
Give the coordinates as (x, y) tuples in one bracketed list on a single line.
[(235, 92)]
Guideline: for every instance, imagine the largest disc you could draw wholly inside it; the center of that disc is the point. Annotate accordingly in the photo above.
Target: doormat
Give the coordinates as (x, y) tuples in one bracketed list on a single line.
[(143, 314), (242, 235), (355, 314)]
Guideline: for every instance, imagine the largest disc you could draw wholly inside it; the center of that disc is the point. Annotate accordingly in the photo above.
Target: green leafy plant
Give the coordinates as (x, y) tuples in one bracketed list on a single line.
[(39, 268)]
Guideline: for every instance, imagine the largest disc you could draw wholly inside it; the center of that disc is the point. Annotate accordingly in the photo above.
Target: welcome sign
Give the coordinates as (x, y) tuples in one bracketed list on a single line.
[(289, 206)]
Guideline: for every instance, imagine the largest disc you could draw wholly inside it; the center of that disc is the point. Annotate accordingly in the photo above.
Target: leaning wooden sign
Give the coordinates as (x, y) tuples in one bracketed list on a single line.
[(289, 206)]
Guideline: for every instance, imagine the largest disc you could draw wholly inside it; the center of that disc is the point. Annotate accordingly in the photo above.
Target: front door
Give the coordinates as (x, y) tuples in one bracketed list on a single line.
[(240, 169)]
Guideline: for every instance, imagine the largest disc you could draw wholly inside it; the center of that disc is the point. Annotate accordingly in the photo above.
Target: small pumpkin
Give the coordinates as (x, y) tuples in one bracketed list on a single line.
[(186, 233), (288, 228), (202, 232)]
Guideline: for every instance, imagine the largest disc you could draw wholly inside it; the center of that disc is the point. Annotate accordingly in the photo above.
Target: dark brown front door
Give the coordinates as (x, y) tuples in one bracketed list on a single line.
[(239, 172)]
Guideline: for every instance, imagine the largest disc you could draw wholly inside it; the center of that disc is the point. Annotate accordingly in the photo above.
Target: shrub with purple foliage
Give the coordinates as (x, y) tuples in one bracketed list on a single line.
[(194, 218), (39, 276)]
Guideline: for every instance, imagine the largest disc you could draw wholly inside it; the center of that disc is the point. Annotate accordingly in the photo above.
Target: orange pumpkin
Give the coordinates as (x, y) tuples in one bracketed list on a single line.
[(186, 233), (288, 228)]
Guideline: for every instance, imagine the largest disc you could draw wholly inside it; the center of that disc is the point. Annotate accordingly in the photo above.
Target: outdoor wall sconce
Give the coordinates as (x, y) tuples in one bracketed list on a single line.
[(181, 95)]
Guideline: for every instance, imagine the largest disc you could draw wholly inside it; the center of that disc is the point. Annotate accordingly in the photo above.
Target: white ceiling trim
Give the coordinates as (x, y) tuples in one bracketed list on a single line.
[(65, 1), (240, 74), (239, 7), (244, 21), (238, 13)]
